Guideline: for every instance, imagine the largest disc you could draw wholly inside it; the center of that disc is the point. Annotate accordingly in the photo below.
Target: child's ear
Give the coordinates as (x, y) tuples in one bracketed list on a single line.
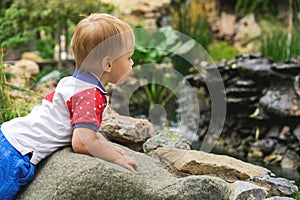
[(105, 63)]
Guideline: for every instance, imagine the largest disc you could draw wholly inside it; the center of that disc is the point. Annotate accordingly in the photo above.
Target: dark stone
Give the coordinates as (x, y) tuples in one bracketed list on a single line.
[(241, 92), (266, 145), (255, 68), (281, 101), (274, 132), (290, 68), (297, 133), (245, 83)]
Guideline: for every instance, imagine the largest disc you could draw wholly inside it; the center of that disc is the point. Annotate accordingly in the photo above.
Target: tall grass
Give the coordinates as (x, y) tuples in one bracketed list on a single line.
[(274, 44), (191, 18), (18, 106), (6, 103)]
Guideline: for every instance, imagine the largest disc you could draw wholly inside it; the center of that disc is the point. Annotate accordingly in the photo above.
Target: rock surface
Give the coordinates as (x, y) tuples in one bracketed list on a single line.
[(199, 163), (247, 191), (21, 72), (168, 139), (263, 113), (125, 130), (66, 175)]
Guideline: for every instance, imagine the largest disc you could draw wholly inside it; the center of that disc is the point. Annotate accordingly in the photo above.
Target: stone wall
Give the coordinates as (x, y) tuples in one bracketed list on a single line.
[(263, 109)]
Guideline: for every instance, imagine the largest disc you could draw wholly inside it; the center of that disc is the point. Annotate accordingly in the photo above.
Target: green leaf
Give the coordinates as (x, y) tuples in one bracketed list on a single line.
[(141, 36), (171, 35), (158, 40), (186, 47)]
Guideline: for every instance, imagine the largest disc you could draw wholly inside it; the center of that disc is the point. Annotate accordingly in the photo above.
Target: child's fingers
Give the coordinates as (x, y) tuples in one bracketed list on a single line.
[(131, 164), (131, 168), (120, 150)]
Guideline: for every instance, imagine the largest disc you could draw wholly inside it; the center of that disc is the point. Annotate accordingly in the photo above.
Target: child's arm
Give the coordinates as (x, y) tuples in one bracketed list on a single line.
[(87, 141)]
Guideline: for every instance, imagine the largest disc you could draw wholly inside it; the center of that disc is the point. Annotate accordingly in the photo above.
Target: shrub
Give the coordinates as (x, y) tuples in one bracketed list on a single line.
[(46, 48), (222, 50)]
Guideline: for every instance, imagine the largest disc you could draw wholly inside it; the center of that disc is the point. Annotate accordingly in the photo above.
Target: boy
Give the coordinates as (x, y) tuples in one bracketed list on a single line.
[(72, 113)]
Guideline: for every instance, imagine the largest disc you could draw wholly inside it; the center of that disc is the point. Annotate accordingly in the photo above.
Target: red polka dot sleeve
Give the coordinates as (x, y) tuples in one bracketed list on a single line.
[(86, 108)]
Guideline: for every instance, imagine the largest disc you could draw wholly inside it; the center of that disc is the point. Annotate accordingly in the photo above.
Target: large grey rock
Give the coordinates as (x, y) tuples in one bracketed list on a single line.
[(66, 175)]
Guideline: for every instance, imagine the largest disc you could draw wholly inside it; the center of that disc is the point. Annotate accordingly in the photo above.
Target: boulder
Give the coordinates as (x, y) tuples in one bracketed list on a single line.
[(248, 181), (227, 25), (67, 175), (200, 163), (34, 56), (281, 101), (30, 68), (247, 28), (22, 72), (128, 131)]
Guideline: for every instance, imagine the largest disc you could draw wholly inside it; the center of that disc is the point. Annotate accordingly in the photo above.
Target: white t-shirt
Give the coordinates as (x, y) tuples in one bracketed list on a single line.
[(78, 101)]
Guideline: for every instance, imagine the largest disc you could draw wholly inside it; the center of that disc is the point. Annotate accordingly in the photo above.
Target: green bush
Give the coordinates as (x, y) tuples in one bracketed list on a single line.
[(46, 48), (222, 50), (159, 47)]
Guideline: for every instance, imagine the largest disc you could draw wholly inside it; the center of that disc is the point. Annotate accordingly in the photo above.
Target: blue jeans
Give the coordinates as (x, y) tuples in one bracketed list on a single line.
[(15, 169)]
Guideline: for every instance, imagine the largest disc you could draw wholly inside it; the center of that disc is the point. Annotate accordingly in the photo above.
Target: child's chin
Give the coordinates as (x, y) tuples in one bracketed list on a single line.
[(122, 79)]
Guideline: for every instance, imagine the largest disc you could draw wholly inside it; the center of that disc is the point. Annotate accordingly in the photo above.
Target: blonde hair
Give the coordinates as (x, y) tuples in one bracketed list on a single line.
[(97, 36)]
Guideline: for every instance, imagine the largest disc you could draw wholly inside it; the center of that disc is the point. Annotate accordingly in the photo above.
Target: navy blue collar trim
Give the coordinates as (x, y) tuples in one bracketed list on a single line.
[(89, 78)]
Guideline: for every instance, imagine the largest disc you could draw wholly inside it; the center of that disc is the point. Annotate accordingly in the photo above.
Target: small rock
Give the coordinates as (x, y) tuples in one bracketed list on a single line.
[(168, 139), (255, 152), (280, 198), (247, 191), (54, 75), (276, 186), (281, 186), (266, 145), (125, 130), (297, 133), (34, 56), (290, 160)]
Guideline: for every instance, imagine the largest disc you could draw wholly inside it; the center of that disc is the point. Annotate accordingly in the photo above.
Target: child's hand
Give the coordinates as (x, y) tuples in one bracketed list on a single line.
[(89, 142), (128, 162), (119, 150)]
